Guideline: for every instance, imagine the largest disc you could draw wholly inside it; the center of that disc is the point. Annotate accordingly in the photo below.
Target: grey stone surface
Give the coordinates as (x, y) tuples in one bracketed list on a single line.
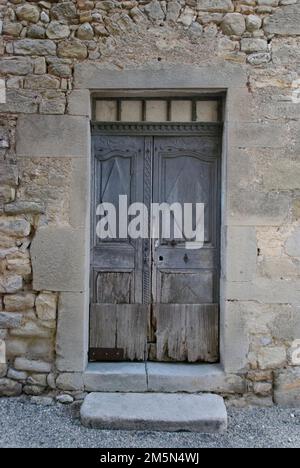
[(234, 339), (191, 378), (215, 5), (72, 332), (79, 103), (16, 66), (20, 207), (287, 387), (115, 377), (10, 320), (53, 136), (92, 75), (256, 208), (292, 245), (54, 265), (241, 253), (21, 100), (265, 290), (284, 22), (34, 47), (80, 193), (163, 412)]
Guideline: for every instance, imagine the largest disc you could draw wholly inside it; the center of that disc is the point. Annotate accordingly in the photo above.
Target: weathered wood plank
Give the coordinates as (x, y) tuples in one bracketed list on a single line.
[(187, 332), (120, 326)]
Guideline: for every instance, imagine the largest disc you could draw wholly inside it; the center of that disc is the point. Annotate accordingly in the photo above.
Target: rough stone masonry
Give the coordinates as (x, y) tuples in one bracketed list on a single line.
[(40, 44)]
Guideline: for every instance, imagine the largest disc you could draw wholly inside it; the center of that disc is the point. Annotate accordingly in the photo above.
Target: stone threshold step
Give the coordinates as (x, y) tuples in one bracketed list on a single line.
[(155, 412)]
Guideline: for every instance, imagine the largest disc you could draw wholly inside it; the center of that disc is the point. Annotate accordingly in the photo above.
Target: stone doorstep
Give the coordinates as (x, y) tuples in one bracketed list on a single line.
[(154, 412), (160, 378)]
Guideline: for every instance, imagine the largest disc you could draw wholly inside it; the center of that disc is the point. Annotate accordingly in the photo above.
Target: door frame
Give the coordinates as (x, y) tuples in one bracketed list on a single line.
[(98, 79), (159, 129)]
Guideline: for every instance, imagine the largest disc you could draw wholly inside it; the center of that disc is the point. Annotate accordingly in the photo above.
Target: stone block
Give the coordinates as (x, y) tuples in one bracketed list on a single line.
[(21, 301), (272, 357), (284, 21), (234, 338), (40, 47), (80, 193), (265, 290), (24, 364), (241, 253), (79, 103), (292, 245), (115, 377), (10, 320), (222, 6), (46, 304), (163, 412), (164, 377), (72, 332), (54, 264), (24, 207), (91, 75), (10, 388), (11, 283), (257, 208), (20, 101), (70, 382), (287, 388), (53, 136), (16, 66)]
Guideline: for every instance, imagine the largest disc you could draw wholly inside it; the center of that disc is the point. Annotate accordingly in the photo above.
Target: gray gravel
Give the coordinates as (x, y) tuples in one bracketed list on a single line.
[(23, 424)]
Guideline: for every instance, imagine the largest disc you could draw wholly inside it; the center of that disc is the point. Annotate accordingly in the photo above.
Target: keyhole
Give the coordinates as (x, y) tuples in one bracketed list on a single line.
[(161, 258), (186, 258)]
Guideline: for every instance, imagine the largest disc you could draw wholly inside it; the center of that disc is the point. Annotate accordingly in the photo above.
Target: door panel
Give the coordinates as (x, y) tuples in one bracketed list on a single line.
[(186, 282), (119, 327), (187, 332), (118, 321)]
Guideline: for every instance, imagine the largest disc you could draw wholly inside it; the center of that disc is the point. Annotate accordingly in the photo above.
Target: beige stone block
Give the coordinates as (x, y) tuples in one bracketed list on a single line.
[(21, 301), (59, 259), (272, 357), (46, 304), (72, 332), (53, 136)]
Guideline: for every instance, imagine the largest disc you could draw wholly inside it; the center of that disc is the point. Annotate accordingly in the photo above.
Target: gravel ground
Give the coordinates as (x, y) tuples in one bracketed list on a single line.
[(24, 424)]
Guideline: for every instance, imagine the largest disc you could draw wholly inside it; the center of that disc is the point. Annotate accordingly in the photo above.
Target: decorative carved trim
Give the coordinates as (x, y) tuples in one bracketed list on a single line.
[(169, 128)]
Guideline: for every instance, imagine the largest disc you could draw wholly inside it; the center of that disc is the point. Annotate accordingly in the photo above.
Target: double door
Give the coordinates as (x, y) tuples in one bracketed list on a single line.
[(152, 298)]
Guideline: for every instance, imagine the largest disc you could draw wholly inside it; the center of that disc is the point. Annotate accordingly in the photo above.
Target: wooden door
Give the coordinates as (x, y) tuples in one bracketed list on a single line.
[(154, 299)]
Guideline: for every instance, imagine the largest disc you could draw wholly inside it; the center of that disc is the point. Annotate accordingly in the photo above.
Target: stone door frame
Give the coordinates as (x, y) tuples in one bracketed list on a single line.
[(55, 267)]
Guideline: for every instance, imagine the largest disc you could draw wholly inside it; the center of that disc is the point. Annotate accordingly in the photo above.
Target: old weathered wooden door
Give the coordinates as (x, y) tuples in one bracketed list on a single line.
[(154, 298)]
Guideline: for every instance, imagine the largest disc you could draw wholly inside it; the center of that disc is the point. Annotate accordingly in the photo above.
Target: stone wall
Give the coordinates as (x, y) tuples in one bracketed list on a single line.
[(40, 44)]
